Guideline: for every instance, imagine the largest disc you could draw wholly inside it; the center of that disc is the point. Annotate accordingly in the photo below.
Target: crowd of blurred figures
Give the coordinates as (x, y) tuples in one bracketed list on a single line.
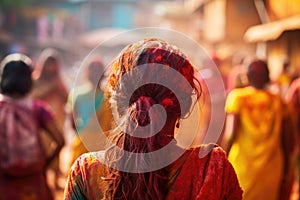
[(260, 136)]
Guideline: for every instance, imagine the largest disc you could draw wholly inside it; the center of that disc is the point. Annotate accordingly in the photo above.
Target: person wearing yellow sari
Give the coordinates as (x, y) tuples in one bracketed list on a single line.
[(254, 135)]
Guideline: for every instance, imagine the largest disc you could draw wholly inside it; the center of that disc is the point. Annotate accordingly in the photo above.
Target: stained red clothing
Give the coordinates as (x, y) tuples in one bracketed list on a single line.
[(210, 177)]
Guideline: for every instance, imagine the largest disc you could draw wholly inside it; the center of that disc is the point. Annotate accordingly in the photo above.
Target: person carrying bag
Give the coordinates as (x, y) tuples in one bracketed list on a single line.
[(23, 160)]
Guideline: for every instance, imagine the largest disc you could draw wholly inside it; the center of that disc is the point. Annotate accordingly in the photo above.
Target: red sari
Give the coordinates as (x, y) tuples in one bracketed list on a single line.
[(211, 177)]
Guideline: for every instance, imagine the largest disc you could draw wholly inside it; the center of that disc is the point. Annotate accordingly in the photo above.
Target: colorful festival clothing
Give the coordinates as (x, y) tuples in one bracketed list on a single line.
[(86, 102), (210, 177), (55, 94), (256, 153), (31, 187)]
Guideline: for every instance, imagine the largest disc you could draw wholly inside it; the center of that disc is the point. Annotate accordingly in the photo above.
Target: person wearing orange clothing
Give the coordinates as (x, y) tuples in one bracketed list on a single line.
[(49, 87)]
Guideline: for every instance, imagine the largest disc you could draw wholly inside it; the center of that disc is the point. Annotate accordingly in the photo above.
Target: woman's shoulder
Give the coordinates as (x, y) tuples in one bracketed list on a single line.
[(208, 156), (42, 107), (208, 167), (89, 164), (210, 150), (240, 91), (88, 161), (86, 176), (39, 103)]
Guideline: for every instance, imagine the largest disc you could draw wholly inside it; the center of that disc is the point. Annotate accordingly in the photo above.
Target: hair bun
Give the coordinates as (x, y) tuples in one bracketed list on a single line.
[(143, 105)]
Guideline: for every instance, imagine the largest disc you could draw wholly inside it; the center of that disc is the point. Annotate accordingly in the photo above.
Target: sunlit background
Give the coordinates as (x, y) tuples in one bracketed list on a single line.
[(228, 30)]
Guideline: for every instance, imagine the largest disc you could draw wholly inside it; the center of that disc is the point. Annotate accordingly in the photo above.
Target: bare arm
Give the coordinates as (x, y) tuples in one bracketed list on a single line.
[(230, 133), (56, 135)]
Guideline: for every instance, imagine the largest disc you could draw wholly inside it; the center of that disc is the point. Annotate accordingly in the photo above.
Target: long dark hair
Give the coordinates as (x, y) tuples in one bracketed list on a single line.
[(135, 107)]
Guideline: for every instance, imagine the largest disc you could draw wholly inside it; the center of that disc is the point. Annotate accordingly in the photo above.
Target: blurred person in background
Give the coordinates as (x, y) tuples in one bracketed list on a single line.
[(260, 137), (50, 87), (84, 100), (99, 175), (284, 79), (23, 160), (293, 99), (237, 76)]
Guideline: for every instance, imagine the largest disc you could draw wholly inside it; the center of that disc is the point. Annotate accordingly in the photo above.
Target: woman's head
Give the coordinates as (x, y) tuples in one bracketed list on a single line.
[(258, 73), (153, 61), (48, 65), (16, 77), (95, 66), (146, 73)]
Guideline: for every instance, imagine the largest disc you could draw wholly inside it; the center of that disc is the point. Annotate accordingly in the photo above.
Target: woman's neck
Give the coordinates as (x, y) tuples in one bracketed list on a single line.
[(15, 96)]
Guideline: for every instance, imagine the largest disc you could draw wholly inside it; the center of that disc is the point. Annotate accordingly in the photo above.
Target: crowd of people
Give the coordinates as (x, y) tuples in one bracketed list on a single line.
[(136, 155)]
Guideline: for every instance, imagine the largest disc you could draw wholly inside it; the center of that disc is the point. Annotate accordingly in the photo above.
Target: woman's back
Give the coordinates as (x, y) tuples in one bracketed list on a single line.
[(23, 160), (193, 177), (258, 143), (151, 87)]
